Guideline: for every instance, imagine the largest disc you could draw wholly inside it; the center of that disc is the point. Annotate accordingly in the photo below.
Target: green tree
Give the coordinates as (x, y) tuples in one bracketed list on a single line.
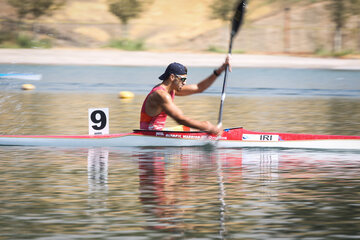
[(340, 11), (126, 10), (356, 11), (35, 8), (223, 9)]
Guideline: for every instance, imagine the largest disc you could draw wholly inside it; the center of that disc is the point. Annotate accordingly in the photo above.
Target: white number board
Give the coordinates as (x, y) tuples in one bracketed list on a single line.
[(98, 121)]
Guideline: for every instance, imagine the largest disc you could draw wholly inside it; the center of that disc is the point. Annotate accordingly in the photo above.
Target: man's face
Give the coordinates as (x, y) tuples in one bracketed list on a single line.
[(180, 81)]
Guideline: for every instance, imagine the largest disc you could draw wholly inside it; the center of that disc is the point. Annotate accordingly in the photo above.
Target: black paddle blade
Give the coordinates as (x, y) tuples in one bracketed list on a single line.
[(238, 17)]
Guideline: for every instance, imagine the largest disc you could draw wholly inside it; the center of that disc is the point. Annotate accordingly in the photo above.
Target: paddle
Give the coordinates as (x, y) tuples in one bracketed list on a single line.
[(236, 23)]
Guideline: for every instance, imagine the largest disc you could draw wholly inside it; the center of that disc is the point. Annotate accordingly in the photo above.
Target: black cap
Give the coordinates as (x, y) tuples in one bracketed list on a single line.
[(175, 68)]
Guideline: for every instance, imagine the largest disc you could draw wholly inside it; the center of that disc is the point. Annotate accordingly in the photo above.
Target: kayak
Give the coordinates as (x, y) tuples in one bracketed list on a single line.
[(21, 76), (230, 138)]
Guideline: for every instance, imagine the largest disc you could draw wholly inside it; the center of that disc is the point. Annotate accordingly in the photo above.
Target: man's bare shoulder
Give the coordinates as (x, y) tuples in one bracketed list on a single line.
[(160, 95)]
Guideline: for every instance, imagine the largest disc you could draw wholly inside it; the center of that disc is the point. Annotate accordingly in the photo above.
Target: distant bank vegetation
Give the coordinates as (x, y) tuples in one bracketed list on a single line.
[(24, 32)]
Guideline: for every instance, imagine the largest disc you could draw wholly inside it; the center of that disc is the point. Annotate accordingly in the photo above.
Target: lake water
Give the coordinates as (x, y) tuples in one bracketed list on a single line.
[(180, 193), (242, 81)]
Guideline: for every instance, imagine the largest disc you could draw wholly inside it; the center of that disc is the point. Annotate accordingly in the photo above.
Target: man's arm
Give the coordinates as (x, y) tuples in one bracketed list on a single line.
[(204, 84), (173, 111), (197, 88)]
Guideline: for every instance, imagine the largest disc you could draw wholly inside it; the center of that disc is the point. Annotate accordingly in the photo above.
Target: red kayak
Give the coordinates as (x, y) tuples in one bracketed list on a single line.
[(230, 138)]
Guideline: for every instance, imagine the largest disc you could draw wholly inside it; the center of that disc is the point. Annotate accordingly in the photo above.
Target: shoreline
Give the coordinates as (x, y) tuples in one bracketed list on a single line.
[(111, 57)]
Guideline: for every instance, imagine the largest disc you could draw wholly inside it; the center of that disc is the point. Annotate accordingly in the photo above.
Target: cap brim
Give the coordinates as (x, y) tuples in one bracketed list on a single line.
[(163, 77)]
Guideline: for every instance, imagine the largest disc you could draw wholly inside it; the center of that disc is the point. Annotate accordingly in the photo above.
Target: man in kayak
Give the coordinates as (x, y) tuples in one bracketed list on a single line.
[(159, 102)]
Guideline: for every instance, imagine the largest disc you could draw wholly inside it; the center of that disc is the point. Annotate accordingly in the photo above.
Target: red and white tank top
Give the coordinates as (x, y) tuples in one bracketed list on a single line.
[(156, 122)]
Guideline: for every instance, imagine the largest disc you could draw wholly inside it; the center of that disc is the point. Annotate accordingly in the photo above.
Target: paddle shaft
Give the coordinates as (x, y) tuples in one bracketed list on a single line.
[(223, 94), (236, 23)]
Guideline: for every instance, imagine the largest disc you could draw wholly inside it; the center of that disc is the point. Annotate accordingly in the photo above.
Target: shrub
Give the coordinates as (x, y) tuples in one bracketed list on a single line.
[(127, 44), (215, 49), (324, 53), (24, 41), (220, 50)]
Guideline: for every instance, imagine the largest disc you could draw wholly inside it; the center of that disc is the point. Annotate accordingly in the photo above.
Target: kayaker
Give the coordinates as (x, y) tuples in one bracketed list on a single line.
[(159, 102)]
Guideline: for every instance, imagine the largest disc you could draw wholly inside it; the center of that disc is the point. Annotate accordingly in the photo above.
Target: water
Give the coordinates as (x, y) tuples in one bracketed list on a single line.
[(55, 193), (242, 81), (179, 193)]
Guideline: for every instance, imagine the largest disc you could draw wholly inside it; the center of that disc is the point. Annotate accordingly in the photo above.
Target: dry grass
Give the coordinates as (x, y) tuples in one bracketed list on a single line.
[(163, 21), (94, 33)]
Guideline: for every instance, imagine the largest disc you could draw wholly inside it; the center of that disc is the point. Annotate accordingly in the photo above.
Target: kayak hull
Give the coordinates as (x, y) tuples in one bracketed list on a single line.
[(231, 138)]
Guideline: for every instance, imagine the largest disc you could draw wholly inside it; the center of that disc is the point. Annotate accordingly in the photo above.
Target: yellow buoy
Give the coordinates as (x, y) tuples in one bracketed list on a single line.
[(126, 94), (27, 87)]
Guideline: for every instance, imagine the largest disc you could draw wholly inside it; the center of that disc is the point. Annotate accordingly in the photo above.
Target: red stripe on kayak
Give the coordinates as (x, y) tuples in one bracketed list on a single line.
[(297, 136), (229, 134)]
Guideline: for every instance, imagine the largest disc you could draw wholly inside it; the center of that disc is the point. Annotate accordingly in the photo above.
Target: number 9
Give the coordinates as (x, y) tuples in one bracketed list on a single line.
[(98, 117)]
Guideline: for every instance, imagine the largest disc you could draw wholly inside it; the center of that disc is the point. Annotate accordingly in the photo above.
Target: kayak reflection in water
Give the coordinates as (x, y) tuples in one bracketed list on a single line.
[(159, 102)]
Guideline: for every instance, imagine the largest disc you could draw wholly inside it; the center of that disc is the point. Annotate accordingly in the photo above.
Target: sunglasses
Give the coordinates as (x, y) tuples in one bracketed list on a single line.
[(183, 79)]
